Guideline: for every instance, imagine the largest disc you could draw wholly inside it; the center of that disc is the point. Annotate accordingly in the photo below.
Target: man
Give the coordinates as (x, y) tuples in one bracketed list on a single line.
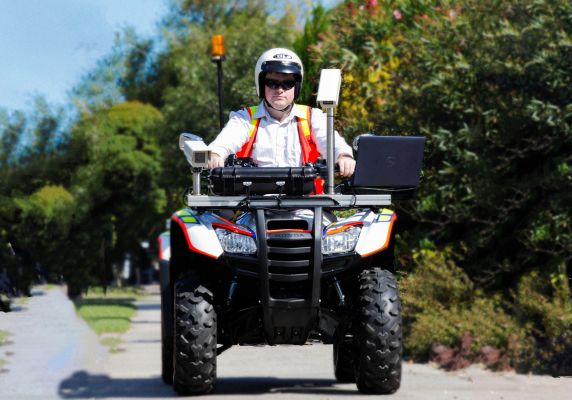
[(279, 132)]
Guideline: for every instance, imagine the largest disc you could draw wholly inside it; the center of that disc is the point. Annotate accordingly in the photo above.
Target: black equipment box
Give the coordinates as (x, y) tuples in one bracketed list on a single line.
[(291, 181)]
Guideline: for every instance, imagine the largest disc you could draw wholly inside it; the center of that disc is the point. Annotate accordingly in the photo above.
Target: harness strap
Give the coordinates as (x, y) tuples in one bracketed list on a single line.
[(246, 149)]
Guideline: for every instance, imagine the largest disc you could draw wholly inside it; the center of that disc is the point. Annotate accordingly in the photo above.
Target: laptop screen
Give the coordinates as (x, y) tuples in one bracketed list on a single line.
[(389, 161)]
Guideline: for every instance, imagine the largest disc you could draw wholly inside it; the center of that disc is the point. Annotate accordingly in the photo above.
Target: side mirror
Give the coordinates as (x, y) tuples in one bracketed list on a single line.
[(196, 151)]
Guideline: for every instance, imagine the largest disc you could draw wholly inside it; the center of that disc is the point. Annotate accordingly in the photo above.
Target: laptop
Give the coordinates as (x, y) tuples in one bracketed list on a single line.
[(388, 162)]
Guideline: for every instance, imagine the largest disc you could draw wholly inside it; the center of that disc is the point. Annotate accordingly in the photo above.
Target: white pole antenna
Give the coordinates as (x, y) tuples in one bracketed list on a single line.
[(328, 96)]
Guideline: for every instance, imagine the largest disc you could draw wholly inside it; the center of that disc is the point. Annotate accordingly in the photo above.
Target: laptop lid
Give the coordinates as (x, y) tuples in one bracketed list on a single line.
[(389, 161)]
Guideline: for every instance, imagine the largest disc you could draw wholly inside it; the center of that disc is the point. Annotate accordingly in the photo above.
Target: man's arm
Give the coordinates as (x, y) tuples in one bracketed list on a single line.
[(230, 139)]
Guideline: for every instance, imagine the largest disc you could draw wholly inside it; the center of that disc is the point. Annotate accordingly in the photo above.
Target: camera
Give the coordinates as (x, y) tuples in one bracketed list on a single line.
[(195, 150)]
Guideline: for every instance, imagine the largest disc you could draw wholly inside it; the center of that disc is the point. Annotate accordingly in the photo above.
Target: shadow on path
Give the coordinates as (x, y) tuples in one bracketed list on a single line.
[(257, 385), (83, 385), (148, 306)]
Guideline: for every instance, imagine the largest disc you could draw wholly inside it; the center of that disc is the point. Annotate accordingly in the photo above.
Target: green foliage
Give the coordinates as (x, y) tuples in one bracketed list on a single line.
[(3, 336), (543, 302), (44, 221), (531, 327), (12, 128), (74, 197), (103, 86), (46, 205), (440, 303), (3, 339), (31, 148), (313, 30), (488, 84), (117, 184)]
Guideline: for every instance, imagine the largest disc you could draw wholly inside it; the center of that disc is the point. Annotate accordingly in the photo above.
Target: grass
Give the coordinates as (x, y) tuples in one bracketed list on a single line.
[(6, 302), (50, 286), (22, 301), (112, 343), (3, 339), (3, 336), (108, 313)]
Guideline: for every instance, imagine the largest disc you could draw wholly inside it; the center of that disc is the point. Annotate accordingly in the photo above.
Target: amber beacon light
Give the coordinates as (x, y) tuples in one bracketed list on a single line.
[(218, 58), (218, 47)]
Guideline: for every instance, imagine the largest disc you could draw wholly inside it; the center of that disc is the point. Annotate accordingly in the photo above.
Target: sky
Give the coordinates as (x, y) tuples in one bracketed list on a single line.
[(47, 45)]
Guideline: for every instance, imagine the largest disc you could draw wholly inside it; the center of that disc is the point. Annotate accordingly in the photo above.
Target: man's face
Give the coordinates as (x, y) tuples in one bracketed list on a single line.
[(280, 97)]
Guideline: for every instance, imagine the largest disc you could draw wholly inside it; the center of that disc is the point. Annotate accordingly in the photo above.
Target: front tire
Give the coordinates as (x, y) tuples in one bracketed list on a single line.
[(378, 333), (195, 338)]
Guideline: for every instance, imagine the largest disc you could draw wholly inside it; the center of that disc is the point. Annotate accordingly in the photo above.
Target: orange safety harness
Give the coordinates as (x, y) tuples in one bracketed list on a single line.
[(310, 151)]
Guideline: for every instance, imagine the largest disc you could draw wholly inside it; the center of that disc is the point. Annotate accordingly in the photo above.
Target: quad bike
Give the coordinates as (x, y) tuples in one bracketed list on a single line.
[(284, 269), (260, 260)]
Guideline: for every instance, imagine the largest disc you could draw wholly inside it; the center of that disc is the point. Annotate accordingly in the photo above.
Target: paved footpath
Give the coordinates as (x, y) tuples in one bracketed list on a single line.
[(64, 360), (48, 342)]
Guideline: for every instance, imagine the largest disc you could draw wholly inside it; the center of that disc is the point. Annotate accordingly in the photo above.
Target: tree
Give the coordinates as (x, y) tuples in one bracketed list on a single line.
[(311, 36), (189, 95), (118, 186), (488, 83)]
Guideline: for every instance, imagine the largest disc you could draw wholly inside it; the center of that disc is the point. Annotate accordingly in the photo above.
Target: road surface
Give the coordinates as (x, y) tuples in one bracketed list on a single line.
[(54, 355)]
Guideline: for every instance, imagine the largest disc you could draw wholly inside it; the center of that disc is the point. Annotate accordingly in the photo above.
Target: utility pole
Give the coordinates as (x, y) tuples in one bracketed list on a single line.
[(218, 58)]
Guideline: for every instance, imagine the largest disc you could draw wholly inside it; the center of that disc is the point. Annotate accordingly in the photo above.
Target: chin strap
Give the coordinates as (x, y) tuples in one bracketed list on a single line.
[(284, 110)]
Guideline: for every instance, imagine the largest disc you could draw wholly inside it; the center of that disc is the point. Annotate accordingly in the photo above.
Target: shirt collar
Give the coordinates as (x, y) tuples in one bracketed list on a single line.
[(297, 111)]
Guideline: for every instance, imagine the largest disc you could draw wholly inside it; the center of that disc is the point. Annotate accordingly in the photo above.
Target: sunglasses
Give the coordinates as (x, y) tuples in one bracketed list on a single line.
[(274, 84)]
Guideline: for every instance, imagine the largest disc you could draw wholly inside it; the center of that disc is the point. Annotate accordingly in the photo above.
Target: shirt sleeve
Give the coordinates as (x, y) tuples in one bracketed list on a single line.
[(319, 133), (233, 136)]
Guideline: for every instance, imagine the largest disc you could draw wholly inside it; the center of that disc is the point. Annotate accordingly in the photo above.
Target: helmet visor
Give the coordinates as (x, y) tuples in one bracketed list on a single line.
[(284, 67)]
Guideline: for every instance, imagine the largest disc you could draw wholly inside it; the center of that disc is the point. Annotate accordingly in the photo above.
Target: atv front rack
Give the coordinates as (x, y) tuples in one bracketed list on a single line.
[(277, 202)]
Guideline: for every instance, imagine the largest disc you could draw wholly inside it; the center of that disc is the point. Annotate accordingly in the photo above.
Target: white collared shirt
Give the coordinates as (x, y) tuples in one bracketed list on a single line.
[(277, 143)]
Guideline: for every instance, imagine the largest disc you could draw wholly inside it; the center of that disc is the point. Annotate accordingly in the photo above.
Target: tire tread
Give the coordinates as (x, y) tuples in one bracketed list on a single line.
[(195, 339), (378, 333)]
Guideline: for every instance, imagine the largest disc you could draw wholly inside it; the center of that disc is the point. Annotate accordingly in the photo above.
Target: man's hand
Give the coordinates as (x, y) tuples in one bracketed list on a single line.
[(215, 161), (346, 164)]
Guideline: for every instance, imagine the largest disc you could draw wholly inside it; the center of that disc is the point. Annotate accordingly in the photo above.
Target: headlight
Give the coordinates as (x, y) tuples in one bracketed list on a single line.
[(341, 242), (233, 242)]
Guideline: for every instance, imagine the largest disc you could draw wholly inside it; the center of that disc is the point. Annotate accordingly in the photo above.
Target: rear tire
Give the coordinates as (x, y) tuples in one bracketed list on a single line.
[(378, 333), (167, 363), (167, 326), (195, 338), (343, 360)]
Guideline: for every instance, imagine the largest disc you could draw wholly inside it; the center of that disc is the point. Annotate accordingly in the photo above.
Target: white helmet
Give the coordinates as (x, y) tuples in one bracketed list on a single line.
[(278, 60)]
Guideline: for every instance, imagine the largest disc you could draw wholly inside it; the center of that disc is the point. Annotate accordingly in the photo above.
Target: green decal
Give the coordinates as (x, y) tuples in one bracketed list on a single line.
[(386, 215), (186, 216)]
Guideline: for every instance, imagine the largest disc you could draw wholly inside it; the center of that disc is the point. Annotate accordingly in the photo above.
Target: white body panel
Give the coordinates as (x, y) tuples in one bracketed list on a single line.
[(164, 246), (199, 233), (375, 231), (201, 237)]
